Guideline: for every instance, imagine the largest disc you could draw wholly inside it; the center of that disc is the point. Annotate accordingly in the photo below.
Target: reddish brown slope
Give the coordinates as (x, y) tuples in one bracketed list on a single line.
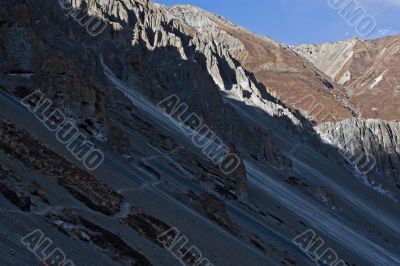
[(369, 70), (289, 76), (375, 88)]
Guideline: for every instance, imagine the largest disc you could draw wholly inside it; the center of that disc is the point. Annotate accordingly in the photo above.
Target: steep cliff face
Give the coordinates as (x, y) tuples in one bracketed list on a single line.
[(363, 140)]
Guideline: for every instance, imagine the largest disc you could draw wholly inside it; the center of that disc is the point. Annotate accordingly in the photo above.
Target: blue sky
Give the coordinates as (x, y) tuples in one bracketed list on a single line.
[(301, 21)]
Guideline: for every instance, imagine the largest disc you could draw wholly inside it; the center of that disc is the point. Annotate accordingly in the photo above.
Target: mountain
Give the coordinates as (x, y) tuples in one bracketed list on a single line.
[(368, 71), (367, 68), (153, 135)]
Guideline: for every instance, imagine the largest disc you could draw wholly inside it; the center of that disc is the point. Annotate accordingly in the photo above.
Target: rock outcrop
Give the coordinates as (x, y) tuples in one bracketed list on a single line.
[(362, 140)]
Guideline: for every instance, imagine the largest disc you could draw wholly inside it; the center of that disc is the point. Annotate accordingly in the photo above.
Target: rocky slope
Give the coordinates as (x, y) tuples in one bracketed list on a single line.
[(257, 96)]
